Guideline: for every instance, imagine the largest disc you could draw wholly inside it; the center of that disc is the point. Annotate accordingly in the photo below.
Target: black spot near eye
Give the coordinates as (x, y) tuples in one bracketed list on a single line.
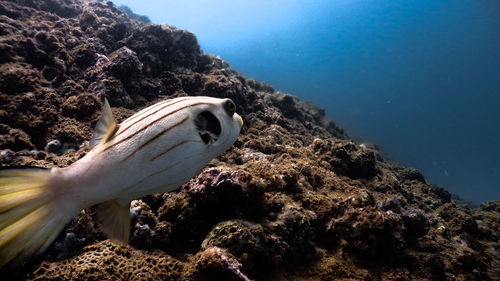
[(206, 121), (206, 138), (208, 126)]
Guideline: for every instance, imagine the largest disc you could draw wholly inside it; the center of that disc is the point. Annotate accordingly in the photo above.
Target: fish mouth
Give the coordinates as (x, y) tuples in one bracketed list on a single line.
[(240, 121)]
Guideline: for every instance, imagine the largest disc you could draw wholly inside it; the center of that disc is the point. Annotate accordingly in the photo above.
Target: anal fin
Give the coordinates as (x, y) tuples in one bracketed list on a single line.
[(114, 220)]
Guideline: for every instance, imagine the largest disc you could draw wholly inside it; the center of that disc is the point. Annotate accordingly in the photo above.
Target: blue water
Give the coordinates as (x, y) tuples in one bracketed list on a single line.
[(421, 79)]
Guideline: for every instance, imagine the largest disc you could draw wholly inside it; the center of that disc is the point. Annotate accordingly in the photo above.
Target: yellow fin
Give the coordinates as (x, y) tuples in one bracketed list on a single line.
[(31, 215), (114, 220), (106, 126)]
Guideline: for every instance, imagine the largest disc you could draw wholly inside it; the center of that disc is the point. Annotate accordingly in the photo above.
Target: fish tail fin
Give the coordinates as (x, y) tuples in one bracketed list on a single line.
[(30, 214)]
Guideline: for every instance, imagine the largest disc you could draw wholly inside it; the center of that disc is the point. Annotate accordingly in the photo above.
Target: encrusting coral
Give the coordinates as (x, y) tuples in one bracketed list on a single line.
[(294, 199)]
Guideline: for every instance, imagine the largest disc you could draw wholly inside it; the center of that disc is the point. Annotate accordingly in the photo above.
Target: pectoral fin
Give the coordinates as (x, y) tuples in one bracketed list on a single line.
[(106, 126), (114, 220)]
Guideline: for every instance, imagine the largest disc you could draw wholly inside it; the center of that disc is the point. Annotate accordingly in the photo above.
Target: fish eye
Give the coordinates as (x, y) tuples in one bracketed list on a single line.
[(230, 107)]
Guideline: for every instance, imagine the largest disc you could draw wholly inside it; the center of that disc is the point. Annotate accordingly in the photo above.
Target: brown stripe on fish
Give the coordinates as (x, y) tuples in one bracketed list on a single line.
[(173, 147), (155, 137), (175, 164), (162, 171), (153, 122), (146, 110), (147, 115)]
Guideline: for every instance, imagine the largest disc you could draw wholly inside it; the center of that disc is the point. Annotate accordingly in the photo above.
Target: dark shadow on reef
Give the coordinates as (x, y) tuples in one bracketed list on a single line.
[(294, 199)]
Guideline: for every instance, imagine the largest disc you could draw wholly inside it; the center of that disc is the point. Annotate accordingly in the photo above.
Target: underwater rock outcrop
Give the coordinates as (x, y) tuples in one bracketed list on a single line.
[(295, 198)]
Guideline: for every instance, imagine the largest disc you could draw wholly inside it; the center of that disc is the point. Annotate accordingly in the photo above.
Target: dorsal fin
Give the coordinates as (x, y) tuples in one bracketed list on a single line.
[(106, 126)]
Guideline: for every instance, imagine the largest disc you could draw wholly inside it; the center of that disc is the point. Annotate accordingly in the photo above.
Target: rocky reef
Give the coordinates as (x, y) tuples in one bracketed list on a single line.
[(294, 199)]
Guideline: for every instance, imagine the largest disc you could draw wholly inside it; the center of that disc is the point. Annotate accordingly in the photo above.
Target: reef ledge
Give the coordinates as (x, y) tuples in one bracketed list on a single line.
[(296, 198)]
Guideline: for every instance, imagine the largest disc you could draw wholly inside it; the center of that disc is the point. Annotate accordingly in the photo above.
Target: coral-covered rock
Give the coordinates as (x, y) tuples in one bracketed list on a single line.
[(347, 158), (459, 220), (14, 139), (369, 232), (238, 189), (293, 224), (123, 64), (107, 261), (17, 78), (215, 195), (84, 55), (248, 242), (162, 48), (143, 225), (6, 156), (214, 264), (82, 106)]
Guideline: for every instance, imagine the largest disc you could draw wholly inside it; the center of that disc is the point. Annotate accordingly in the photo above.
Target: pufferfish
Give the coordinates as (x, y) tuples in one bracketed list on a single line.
[(155, 150)]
